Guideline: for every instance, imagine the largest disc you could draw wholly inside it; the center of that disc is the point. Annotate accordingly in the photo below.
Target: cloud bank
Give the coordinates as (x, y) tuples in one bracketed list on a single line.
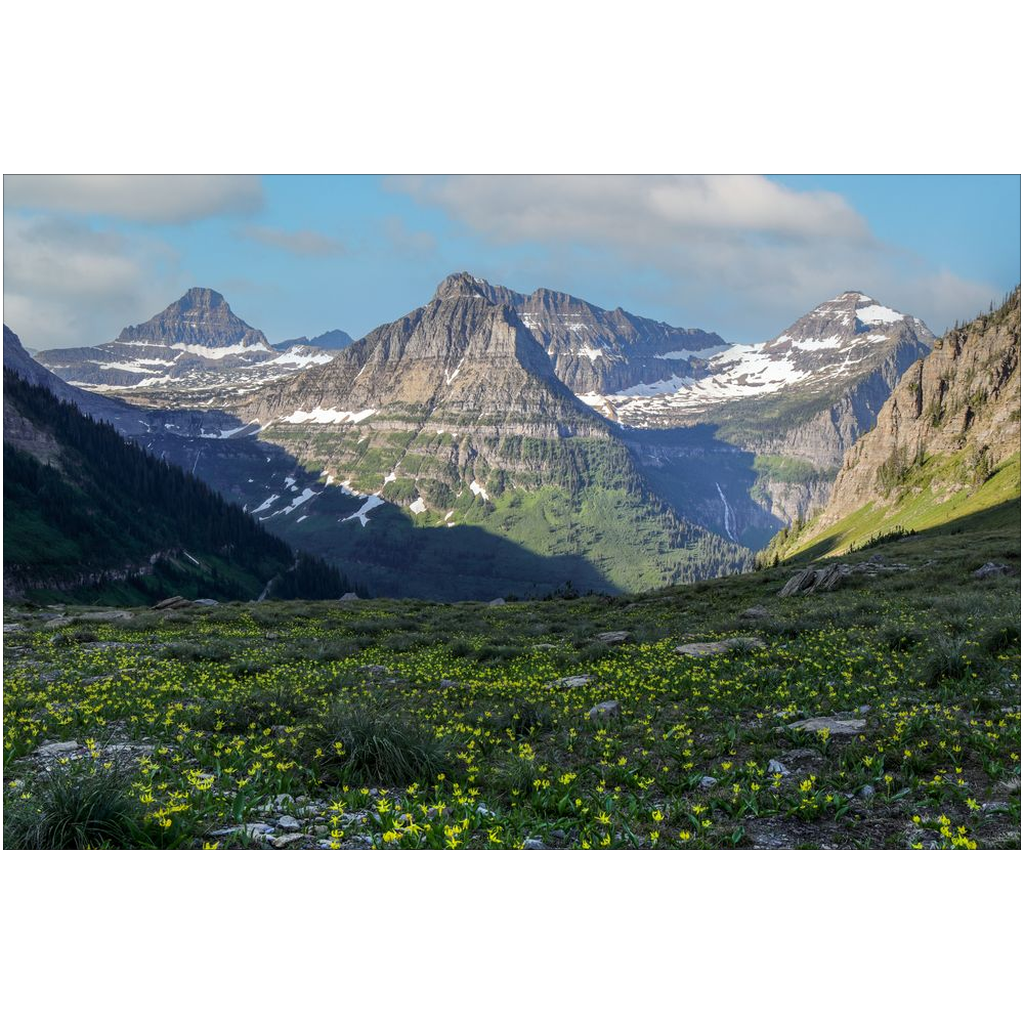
[(146, 198), (744, 254)]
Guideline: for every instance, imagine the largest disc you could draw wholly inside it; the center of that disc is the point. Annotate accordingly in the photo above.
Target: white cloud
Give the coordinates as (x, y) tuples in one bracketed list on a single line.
[(633, 209), (299, 243), (67, 284), (739, 254), (149, 198)]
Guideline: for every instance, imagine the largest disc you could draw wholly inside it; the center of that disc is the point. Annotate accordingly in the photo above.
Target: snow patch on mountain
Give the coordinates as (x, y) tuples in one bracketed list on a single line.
[(319, 415), (878, 315)]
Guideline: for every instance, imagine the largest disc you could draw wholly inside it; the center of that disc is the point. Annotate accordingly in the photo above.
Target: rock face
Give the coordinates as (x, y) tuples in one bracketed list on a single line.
[(842, 354), (599, 351), (455, 415), (197, 345), (759, 431), (460, 359), (962, 402)]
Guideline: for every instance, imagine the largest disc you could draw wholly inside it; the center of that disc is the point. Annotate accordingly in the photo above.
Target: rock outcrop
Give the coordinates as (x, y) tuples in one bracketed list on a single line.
[(963, 399)]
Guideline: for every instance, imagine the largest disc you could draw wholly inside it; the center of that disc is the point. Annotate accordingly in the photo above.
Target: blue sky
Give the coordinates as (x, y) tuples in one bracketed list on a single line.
[(740, 255)]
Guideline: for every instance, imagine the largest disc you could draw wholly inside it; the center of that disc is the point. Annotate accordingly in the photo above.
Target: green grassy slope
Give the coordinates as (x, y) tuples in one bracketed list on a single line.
[(402, 724), (923, 501), (104, 521)]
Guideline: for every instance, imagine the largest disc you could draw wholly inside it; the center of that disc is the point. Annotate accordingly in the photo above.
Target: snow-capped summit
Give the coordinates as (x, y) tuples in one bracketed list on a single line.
[(834, 345)]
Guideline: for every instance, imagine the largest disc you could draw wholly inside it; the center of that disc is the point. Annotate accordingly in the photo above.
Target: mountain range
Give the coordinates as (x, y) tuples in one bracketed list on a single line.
[(193, 349), (492, 442)]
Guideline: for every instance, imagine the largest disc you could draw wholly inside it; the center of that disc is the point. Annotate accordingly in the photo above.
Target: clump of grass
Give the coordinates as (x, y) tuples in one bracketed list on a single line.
[(74, 807), (1001, 638), (379, 744), (525, 718), (947, 660), (899, 638)]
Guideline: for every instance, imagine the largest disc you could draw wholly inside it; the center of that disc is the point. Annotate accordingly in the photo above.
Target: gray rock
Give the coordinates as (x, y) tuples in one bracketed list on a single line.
[(991, 569), (734, 643), (533, 844), (615, 636), (283, 842), (350, 596), (811, 581), (756, 612), (61, 620), (571, 682), (496, 603), (288, 823), (107, 616), (777, 768), (996, 807), (206, 602), (257, 828), (836, 726), (866, 792), (12, 627), (708, 782), (57, 749), (606, 709)]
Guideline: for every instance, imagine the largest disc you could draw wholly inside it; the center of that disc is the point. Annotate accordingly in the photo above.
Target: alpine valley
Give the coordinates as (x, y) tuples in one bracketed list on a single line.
[(491, 443)]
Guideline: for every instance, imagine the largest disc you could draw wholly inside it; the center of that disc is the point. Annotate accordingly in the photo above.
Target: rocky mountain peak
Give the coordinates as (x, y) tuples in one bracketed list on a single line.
[(200, 317), (461, 285)]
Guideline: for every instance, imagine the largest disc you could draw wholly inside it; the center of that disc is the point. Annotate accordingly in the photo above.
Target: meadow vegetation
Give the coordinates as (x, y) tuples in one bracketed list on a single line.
[(391, 724)]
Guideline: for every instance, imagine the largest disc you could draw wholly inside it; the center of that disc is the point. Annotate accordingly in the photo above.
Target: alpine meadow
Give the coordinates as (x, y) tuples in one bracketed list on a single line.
[(329, 536)]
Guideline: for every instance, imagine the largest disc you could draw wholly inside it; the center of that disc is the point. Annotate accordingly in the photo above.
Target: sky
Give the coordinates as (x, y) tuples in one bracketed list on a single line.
[(742, 255)]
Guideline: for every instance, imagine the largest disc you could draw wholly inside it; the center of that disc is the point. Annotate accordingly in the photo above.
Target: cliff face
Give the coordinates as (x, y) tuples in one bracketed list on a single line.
[(599, 351), (962, 401)]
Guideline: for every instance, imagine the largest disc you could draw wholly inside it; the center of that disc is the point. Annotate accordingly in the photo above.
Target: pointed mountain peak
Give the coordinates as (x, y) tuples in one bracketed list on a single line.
[(200, 317), (199, 298), (461, 285)]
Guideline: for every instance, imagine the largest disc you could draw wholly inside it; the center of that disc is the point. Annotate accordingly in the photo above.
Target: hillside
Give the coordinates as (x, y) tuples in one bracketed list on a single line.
[(946, 444), (89, 516), (719, 715)]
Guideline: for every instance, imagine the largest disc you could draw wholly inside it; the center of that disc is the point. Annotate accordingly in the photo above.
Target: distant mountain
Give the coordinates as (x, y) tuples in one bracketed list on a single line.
[(89, 517), (453, 428), (596, 350), (946, 443), (195, 348), (793, 404), (328, 341)]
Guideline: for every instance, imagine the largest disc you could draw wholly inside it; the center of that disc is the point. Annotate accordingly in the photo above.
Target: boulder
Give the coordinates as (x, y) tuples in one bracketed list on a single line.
[(615, 636), (570, 682), (350, 596), (496, 603), (733, 643), (812, 581), (206, 602), (757, 612), (172, 603), (606, 709), (56, 749), (114, 615), (991, 569), (836, 725)]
